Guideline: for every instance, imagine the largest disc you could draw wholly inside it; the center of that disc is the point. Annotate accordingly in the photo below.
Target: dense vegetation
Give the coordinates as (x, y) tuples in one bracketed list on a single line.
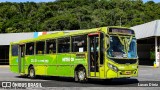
[(75, 14)]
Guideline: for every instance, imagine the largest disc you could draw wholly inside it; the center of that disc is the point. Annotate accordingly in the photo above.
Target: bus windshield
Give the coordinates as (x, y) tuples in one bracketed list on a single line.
[(116, 49), (132, 49)]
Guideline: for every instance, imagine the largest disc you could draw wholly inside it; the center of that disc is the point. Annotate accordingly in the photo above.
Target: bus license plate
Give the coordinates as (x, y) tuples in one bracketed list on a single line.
[(127, 72)]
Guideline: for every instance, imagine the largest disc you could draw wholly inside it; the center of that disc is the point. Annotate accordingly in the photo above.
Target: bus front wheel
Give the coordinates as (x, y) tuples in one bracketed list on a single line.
[(81, 75), (32, 72)]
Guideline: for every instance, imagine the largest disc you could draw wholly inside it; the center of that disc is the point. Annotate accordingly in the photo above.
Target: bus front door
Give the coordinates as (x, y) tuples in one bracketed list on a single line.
[(93, 54), (21, 58)]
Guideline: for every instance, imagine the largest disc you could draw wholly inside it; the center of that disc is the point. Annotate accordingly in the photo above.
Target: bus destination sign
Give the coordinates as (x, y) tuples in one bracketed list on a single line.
[(121, 30)]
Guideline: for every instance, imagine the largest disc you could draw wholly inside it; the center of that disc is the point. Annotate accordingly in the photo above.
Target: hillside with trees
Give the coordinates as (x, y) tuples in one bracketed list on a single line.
[(75, 14)]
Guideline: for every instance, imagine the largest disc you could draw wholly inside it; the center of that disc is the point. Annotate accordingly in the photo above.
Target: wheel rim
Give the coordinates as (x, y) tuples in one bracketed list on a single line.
[(31, 73), (81, 75)]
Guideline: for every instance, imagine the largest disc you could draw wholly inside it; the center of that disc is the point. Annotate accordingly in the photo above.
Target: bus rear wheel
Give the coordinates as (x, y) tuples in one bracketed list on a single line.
[(81, 75), (32, 72)]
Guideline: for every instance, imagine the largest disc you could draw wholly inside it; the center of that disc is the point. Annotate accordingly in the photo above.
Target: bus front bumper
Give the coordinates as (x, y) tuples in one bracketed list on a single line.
[(121, 73)]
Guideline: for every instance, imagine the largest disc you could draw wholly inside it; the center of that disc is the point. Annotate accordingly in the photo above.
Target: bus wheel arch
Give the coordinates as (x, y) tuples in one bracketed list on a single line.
[(31, 71), (80, 73)]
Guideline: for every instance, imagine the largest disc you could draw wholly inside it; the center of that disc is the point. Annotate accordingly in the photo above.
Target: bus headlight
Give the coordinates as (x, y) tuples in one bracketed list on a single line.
[(112, 67)]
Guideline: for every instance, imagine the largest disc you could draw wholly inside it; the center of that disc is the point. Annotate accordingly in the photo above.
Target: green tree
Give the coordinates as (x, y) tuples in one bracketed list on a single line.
[(75, 14)]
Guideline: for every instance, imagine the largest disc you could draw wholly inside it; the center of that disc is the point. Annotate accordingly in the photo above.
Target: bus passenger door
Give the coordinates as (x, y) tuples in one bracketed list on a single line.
[(93, 54), (21, 58)]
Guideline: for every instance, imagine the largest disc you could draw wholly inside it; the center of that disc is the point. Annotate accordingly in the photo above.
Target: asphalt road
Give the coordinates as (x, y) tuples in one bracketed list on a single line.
[(146, 73)]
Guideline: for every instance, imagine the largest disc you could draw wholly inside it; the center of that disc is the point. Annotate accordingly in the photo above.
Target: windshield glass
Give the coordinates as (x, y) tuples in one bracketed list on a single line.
[(117, 49), (132, 49)]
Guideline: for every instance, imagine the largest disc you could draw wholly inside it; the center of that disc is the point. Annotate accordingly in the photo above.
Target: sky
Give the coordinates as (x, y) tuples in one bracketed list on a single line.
[(52, 0), (152, 0)]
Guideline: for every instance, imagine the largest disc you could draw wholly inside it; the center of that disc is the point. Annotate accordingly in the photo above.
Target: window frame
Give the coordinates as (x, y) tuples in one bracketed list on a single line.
[(26, 50), (43, 51), (46, 47), (14, 50), (85, 43), (61, 38)]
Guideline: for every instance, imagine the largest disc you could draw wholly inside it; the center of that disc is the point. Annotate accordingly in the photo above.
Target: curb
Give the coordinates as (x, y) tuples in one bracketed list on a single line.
[(147, 66), (144, 66), (4, 66)]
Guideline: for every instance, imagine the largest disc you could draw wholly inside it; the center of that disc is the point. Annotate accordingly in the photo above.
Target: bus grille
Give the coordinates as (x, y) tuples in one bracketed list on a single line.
[(125, 61)]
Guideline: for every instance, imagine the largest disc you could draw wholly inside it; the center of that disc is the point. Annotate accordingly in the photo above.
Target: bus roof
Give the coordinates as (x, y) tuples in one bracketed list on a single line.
[(57, 34)]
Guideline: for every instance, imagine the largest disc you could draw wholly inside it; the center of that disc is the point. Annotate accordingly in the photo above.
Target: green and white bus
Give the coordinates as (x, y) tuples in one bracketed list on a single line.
[(101, 53)]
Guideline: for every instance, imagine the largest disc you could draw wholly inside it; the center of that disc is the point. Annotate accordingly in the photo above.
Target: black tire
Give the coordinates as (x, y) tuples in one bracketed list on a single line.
[(81, 75), (75, 76), (31, 72)]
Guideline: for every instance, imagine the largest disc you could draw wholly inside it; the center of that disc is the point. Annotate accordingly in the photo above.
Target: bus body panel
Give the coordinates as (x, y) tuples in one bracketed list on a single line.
[(102, 72), (123, 68), (13, 61), (29, 60), (64, 64), (14, 64), (51, 67), (55, 65)]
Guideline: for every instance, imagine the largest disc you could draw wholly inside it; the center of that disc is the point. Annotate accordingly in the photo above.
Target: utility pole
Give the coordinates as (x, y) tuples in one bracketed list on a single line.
[(120, 22)]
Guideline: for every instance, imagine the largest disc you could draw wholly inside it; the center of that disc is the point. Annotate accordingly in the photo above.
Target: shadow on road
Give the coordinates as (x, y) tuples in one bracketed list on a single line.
[(120, 81), (91, 82)]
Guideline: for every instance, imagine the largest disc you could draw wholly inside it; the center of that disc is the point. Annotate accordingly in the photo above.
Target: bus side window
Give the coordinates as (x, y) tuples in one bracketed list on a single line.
[(30, 48), (64, 45), (40, 47), (51, 46), (79, 43), (14, 50)]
